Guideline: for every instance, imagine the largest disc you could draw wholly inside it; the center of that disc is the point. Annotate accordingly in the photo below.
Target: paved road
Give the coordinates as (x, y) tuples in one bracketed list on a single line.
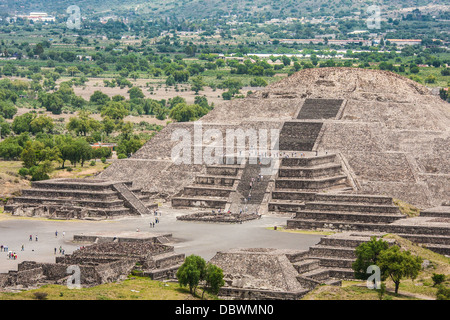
[(203, 239)]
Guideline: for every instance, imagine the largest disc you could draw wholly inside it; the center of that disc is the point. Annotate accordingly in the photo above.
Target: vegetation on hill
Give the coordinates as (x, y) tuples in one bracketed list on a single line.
[(423, 286)]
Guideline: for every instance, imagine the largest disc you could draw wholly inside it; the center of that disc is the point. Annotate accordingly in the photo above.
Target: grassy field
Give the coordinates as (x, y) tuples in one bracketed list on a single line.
[(134, 288)]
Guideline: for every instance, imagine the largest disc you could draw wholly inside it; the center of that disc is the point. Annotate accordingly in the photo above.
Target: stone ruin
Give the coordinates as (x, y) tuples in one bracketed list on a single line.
[(264, 273), (93, 199), (351, 141), (389, 134), (222, 217), (107, 259)]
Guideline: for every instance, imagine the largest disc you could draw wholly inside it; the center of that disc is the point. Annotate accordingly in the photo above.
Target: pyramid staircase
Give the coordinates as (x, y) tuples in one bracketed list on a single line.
[(212, 189), (299, 179)]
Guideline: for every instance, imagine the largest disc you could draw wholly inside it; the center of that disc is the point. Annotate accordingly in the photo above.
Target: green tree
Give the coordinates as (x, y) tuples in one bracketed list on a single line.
[(114, 110), (41, 124), (197, 84), (258, 82), (367, 254), (83, 124), (191, 272), (213, 279), (136, 93), (99, 98), (443, 293), (399, 265), (108, 125), (22, 123), (7, 108), (183, 112), (5, 128), (73, 70), (437, 279)]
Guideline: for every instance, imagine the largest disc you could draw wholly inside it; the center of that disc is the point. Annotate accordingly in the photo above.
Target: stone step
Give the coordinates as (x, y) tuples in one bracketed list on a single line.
[(297, 255), (339, 241), (333, 282), (94, 185), (342, 273), (351, 207), (284, 206), (293, 194), (318, 183), (310, 172), (306, 265), (151, 206), (65, 194), (200, 202), (347, 216), (299, 136), (215, 180), (223, 170), (60, 202), (168, 259), (212, 191), (319, 274), (331, 251), (308, 161), (354, 198), (113, 212), (162, 273), (309, 224), (424, 238), (131, 201), (439, 212), (334, 262), (305, 224), (438, 248)]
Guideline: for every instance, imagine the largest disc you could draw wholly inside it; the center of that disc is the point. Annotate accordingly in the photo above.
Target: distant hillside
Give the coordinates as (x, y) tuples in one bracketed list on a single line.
[(265, 9)]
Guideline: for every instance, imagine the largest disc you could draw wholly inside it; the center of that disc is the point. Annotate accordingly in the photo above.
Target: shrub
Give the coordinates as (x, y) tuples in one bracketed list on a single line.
[(24, 172), (443, 293), (92, 163), (438, 279), (121, 156), (103, 160), (69, 169), (40, 295)]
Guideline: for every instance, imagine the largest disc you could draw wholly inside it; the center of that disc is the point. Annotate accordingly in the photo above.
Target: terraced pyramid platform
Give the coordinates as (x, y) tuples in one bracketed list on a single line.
[(81, 199)]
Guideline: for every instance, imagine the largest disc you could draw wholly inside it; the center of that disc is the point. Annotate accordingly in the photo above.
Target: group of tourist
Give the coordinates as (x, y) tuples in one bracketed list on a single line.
[(61, 250), (3, 248), (12, 255), (156, 212), (56, 234)]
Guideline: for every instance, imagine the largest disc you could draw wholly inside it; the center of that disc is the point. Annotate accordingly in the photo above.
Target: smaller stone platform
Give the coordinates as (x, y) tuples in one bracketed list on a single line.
[(219, 217)]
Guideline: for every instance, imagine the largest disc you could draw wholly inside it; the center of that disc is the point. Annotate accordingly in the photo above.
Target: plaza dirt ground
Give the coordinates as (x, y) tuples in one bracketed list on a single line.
[(204, 239)]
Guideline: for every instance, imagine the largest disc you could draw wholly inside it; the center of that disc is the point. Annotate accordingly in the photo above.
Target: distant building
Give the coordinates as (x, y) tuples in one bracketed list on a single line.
[(405, 42), (99, 145), (37, 16)]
